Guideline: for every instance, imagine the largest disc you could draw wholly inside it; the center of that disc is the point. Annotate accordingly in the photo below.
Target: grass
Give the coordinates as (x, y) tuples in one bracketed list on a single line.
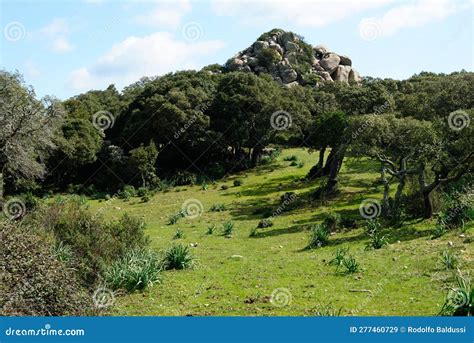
[(404, 270)]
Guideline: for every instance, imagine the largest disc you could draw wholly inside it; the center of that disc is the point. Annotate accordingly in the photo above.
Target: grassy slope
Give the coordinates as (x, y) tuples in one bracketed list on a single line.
[(404, 277)]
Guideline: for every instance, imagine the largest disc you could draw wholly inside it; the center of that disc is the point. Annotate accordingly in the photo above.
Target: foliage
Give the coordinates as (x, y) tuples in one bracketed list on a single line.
[(136, 270), (339, 257), (218, 207), (350, 265), (448, 259), (228, 228), (93, 242), (238, 183), (268, 57), (377, 239), (264, 223), (210, 229), (332, 221), (319, 236), (178, 234), (177, 256), (460, 300), (35, 282)]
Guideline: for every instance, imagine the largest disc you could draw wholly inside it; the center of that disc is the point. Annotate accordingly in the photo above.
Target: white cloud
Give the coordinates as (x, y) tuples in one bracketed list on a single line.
[(56, 34), (166, 14), (415, 14), (304, 13), (31, 69), (136, 57)]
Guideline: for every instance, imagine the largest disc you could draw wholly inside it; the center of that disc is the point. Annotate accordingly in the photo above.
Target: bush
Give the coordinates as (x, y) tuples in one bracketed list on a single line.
[(227, 228), (217, 207), (350, 265), (173, 219), (377, 240), (93, 242), (290, 158), (268, 57), (253, 231), (210, 229), (339, 257), (264, 223), (300, 164), (142, 191), (238, 183), (127, 192), (183, 178), (177, 256), (459, 300), (332, 221), (34, 281), (293, 164), (448, 259), (136, 270), (224, 187), (178, 234), (146, 198), (439, 230), (319, 236)]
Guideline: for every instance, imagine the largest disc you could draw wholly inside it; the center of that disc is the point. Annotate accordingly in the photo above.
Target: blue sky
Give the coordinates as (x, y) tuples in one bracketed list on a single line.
[(64, 48)]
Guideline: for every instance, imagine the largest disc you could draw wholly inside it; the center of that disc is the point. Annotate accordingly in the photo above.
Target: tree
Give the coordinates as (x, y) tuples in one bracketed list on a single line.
[(242, 111), (143, 159), (27, 126)]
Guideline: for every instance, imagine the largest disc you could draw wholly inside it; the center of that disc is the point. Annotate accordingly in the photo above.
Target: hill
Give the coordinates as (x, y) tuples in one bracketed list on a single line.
[(291, 61)]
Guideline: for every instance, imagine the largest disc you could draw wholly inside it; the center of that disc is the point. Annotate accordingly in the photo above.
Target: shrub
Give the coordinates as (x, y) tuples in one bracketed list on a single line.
[(459, 300), (127, 192), (293, 158), (146, 198), (210, 229), (264, 223), (377, 241), (173, 219), (142, 191), (34, 281), (439, 230), (204, 187), (300, 164), (339, 257), (227, 228), (177, 256), (293, 164), (268, 57), (178, 234), (350, 265), (224, 187), (319, 236), (62, 252), (253, 231), (217, 207), (93, 242), (238, 183), (327, 310), (136, 270), (183, 178), (448, 259), (332, 221)]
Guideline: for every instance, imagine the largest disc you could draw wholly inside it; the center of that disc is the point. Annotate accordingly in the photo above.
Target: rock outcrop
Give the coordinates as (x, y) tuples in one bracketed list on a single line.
[(291, 61)]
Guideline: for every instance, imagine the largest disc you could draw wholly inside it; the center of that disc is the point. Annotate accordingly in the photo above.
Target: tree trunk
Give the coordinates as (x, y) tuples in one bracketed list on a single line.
[(334, 168), (329, 162), (386, 192), (316, 170), (428, 205), (256, 155), (425, 191)]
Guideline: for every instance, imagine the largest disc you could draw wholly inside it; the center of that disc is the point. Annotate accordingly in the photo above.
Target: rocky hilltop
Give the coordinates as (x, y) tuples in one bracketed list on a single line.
[(291, 61)]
